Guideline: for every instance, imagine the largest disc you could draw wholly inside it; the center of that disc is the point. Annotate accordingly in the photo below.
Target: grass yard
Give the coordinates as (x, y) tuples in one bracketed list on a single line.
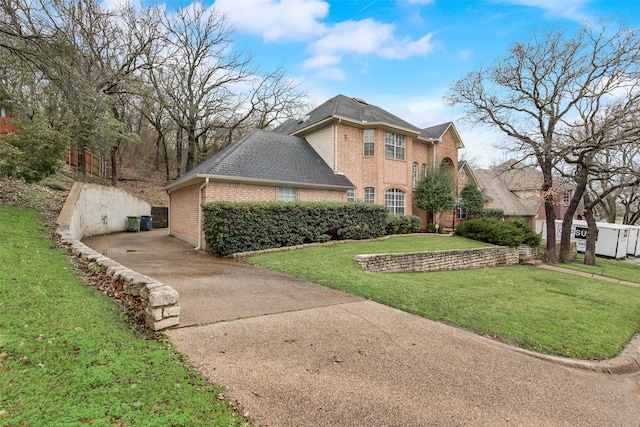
[(541, 310), (68, 357), (617, 269)]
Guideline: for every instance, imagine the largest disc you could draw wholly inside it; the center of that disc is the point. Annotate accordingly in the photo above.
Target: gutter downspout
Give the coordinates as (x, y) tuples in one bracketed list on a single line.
[(203, 186)]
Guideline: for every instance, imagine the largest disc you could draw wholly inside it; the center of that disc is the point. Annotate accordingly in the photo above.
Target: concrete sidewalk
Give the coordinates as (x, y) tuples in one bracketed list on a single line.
[(300, 354)]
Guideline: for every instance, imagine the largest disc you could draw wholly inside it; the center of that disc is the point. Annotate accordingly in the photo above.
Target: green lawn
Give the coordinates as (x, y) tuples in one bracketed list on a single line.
[(541, 310), (617, 269), (67, 356)]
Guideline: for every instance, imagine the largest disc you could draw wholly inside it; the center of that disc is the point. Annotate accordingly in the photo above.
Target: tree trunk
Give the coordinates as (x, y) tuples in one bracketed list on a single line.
[(565, 239), (178, 151), (114, 165), (592, 232), (550, 212), (191, 149)]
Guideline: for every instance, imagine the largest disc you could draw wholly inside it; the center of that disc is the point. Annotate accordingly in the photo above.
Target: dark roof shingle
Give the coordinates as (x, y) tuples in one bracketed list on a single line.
[(265, 156)]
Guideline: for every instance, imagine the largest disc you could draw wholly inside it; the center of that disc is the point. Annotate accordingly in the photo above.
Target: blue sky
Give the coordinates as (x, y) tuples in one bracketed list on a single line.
[(402, 55)]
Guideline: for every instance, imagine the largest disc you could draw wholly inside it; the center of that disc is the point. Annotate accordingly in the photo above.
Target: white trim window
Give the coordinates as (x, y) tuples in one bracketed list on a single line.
[(394, 201), (414, 175), (566, 197), (287, 194), (369, 195), (394, 144), (424, 170), (351, 195), (368, 137)]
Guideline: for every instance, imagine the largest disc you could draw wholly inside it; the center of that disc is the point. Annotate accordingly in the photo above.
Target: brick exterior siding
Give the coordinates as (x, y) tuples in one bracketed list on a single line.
[(184, 211), (384, 174)]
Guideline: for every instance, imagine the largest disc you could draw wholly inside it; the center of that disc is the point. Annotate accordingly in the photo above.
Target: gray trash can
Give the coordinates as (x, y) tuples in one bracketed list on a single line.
[(146, 223)]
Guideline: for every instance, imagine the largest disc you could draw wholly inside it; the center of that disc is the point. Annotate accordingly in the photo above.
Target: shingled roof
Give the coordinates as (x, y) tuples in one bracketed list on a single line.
[(350, 109), (267, 157)]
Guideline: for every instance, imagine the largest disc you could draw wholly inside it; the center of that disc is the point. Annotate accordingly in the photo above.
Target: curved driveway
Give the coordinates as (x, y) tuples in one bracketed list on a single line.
[(293, 353)]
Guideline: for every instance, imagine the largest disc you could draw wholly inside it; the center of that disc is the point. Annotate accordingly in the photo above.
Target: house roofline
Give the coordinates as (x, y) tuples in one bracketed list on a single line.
[(364, 124), (192, 180)]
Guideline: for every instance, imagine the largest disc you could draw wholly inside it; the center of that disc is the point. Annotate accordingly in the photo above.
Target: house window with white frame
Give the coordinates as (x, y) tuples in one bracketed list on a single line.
[(414, 175), (394, 146), (368, 136), (424, 170), (287, 194), (369, 195), (394, 201), (566, 197), (351, 195)]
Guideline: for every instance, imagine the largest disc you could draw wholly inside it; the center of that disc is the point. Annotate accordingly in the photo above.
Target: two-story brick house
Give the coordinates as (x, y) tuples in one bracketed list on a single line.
[(367, 154)]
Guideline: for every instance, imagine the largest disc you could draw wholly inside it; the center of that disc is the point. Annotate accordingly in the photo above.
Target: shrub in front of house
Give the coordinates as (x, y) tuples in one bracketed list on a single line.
[(402, 224), (492, 213), (497, 232), (231, 227)]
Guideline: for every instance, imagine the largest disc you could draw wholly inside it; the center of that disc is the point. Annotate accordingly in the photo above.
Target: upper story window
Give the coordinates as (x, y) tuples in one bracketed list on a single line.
[(287, 194), (394, 201), (414, 175), (368, 136), (369, 195), (566, 198), (394, 146), (351, 195)]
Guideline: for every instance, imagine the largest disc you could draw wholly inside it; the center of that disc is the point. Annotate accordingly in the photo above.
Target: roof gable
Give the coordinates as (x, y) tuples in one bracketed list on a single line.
[(352, 109), (268, 157), (436, 133)]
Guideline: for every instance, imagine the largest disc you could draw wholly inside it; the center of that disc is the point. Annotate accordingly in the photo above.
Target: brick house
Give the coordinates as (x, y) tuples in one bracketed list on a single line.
[(516, 188), (343, 150)]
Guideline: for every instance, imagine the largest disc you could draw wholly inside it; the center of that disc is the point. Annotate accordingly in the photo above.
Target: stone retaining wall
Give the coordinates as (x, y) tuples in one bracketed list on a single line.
[(159, 301), (459, 259)]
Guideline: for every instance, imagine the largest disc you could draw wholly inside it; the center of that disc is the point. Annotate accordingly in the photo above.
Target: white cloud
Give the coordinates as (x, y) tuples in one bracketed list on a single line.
[(276, 19), (322, 61), (571, 9), (367, 37), (463, 55)]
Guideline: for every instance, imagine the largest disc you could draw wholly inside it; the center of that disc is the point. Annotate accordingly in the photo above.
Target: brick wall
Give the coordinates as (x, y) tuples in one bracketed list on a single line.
[(462, 259), (184, 211)]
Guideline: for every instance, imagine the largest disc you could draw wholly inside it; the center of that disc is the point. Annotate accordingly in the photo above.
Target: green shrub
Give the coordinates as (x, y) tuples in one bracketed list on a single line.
[(431, 228), (248, 226), (402, 224), (493, 213), (33, 152), (497, 232)]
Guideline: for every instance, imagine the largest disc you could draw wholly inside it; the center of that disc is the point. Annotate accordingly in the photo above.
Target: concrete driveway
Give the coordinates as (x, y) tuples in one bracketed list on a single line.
[(299, 354)]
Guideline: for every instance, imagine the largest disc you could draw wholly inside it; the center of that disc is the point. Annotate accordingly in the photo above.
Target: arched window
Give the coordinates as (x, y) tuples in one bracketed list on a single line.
[(414, 175), (394, 201), (424, 170)]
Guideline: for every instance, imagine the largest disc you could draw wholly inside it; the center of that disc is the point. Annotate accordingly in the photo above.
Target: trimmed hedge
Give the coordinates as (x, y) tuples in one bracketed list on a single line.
[(403, 224), (497, 232), (231, 227)]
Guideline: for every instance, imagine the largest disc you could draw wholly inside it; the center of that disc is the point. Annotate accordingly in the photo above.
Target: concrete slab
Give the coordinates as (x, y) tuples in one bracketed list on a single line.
[(212, 289), (304, 355)]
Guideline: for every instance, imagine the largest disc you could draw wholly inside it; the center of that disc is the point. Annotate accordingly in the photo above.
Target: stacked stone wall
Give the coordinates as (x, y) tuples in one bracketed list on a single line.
[(461, 259)]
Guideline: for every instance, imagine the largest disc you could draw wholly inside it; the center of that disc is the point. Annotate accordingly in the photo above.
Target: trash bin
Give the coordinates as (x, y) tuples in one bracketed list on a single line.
[(133, 223), (146, 223)]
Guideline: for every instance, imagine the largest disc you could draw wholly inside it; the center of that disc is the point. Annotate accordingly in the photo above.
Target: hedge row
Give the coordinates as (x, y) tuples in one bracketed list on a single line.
[(240, 227), (503, 233), (403, 224)]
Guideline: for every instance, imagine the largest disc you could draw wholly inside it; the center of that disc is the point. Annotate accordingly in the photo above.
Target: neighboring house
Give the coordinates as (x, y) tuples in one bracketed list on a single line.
[(466, 176), (516, 188), (343, 150), (6, 121)]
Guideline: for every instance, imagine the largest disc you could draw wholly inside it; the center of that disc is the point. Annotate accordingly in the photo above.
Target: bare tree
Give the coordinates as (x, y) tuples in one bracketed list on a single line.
[(88, 52), (535, 93)]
